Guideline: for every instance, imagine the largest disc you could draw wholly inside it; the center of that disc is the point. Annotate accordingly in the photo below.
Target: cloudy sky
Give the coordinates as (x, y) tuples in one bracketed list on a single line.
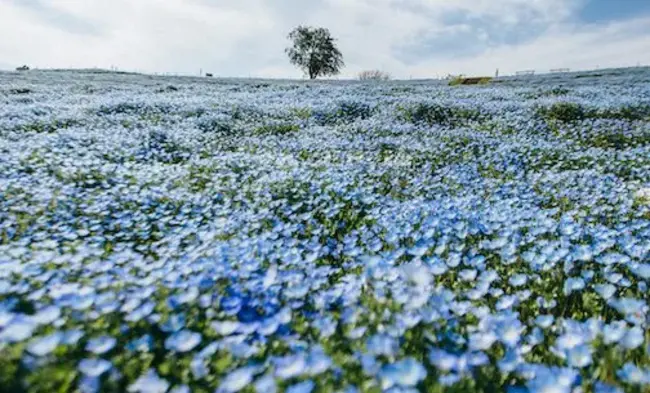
[(408, 38)]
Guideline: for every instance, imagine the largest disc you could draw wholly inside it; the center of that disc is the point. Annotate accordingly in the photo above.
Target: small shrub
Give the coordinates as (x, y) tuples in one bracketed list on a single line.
[(483, 80), (563, 111), (572, 112), (630, 113), (216, 125), (20, 90), (346, 112), (277, 129), (374, 75), (439, 114), (301, 113)]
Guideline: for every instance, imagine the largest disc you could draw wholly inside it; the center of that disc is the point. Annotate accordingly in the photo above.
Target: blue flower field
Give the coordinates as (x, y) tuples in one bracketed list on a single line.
[(177, 234)]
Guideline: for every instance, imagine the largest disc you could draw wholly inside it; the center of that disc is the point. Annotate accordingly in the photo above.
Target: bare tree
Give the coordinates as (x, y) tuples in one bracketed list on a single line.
[(374, 75)]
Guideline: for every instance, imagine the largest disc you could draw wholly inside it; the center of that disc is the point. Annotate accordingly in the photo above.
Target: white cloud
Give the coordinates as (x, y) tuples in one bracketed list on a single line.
[(248, 37)]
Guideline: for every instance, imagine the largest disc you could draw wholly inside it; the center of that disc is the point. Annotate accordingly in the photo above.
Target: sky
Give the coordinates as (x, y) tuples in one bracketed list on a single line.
[(247, 38)]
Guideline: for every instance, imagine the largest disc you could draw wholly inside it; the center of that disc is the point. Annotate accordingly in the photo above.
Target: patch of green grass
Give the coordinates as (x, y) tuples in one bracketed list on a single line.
[(277, 129), (437, 114)]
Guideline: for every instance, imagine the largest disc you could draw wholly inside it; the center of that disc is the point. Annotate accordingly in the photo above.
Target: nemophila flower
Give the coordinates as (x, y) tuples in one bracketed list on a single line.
[(633, 338), (634, 310), (94, 367), (270, 277), (183, 341), (290, 366), (606, 291), (632, 374), (601, 387), (382, 345), (140, 344), (180, 389), (150, 382), (101, 345), (417, 274), (237, 380), (467, 274), (326, 326), (642, 271), (544, 321), (47, 315), (18, 329), (510, 361), (302, 387), (573, 284), (218, 203), (225, 328), (614, 332), (553, 380), (356, 333), (506, 302), (369, 364), (174, 323), (482, 340), (265, 383), (44, 345), (579, 356), (318, 361), (88, 384), (407, 372), (71, 337), (518, 280), (449, 379)]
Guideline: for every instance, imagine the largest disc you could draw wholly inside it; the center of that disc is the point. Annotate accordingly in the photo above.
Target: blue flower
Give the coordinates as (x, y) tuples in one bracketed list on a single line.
[(45, 345), (150, 382), (101, 345), (141, 344), (183, 341), (290, 366), (601, 387), (266, 383), (634, 375), (382, 345), (633, 338), (302, 387), (237, 380), (406, 373), (19, 329), (94, 367)]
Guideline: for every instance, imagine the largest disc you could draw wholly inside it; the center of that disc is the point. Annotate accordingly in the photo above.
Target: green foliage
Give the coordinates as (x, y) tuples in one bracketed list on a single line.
[(48, 126), (540, 93), (563, 111), (216, 125), (277, 129), (314, 51), (22, 90), (301, 113), (439, 114), (461, 80), (629, 112), (346, 112), (569, 112)]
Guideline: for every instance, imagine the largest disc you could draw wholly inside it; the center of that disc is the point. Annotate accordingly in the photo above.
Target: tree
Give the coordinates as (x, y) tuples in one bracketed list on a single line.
[(374, 75), (314, 51)]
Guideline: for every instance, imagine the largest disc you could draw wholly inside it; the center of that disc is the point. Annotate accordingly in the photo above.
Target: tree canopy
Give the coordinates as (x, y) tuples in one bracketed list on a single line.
[(314, 51)]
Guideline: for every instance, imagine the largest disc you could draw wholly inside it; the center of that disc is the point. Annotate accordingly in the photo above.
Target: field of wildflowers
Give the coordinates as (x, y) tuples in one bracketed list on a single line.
[(163, 234)]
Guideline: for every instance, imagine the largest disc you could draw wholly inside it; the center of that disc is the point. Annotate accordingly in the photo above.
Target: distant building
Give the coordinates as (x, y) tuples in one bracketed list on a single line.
[(209, 75)]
